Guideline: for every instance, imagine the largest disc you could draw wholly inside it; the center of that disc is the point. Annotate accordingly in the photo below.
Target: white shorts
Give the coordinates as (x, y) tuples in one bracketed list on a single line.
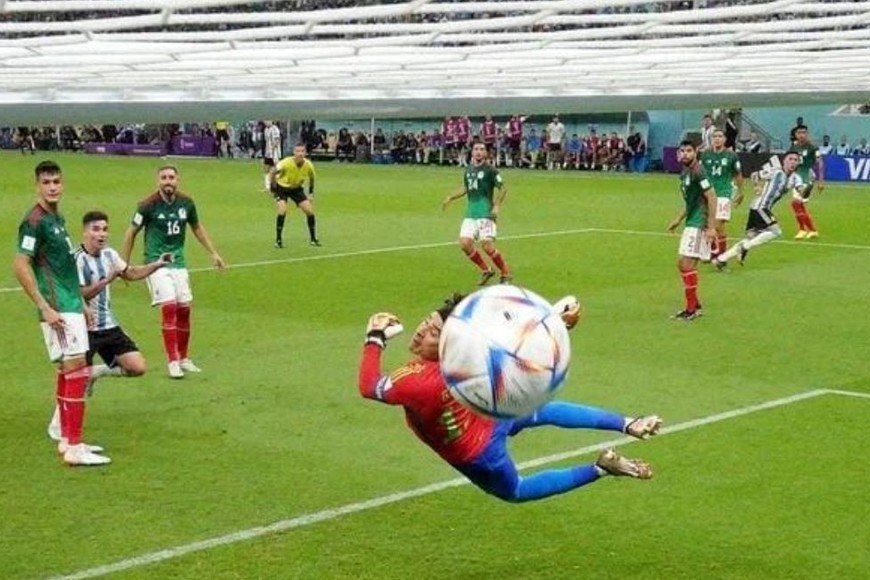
[(723, 208), (693, 244), (478, 229), (170, 285), (70, 342)]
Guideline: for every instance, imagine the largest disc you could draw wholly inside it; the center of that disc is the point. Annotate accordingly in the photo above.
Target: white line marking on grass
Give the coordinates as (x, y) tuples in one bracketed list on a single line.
[(789, 242), (391, 249), (331, 514), (849, 393)]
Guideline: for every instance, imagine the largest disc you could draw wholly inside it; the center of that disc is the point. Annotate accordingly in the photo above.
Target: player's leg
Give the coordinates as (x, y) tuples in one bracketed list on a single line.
[(806, 225), (693, 247), (571, 416), (467, 234), (268, 163), (184, 301), (487, 231), (307, 208), (163, 294), (723, 216), (120, 354), (280, 218)]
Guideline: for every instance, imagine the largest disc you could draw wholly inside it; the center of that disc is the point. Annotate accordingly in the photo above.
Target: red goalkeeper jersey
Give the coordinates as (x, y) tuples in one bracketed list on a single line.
[(452, 430)]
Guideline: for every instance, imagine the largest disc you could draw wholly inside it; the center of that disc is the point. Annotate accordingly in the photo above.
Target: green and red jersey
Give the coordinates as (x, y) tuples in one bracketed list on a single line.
[(165, 224)]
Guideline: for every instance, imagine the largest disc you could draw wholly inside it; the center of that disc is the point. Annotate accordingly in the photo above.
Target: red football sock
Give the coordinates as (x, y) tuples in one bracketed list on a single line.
[(808, 221), (496, 258), (169, 312), (690, 286), (182, 325), (75, 384), (721, 244), (800, 213), (475, 257), (60, 394)]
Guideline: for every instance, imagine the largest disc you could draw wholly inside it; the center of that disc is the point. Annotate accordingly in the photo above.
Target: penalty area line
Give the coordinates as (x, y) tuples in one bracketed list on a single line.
[(356, 507)]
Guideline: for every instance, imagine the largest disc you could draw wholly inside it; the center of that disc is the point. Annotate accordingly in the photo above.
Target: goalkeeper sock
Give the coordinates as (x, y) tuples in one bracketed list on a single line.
[(554, 482), (571, 416), (279, 227)]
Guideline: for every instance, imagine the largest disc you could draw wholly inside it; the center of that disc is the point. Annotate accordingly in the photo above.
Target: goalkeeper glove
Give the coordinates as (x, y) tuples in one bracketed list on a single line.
[(382, 327)]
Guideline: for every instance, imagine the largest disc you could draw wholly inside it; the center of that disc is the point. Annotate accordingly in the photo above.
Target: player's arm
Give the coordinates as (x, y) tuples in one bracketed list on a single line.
[(132, 273), (738, 181), (710, 197), (311, 176), (22, 266), (202, 235), (130, 237), (675, 223), (499, 199), (372, 383), (458, 194)]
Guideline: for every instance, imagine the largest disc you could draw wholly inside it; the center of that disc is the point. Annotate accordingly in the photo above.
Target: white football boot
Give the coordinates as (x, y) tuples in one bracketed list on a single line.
[(79, 455), (63, 446), (188, 366), (175, 370)]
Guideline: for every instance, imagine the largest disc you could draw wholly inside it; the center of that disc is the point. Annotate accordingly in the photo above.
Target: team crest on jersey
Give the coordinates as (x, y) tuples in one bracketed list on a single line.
[(724, 162), (182, 214), (480, 174)]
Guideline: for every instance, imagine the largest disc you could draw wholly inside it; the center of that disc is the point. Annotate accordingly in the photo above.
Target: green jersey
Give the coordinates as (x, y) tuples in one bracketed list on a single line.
[(693, 184), (165, 226), (809, 155), (480, 182), (42, 235), (721, 167)]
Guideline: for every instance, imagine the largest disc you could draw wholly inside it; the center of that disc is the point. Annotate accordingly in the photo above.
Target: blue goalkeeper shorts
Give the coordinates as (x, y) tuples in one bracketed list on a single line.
[(493, 470)]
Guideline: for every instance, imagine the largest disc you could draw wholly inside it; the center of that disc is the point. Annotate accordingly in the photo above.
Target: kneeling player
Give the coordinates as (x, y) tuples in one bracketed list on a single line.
[(762, 226), (475, 445), (98, 266)]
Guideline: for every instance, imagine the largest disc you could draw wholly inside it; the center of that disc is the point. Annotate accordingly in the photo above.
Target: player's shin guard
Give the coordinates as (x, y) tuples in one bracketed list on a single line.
[(553, 482), (312, 227), (690, 287), (73, 404), (279, 227), (499, 262), (182, 327), (475, 257), (169, 313)]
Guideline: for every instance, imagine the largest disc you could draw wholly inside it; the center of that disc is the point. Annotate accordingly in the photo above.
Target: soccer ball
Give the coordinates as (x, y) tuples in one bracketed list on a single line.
[(504, 351)]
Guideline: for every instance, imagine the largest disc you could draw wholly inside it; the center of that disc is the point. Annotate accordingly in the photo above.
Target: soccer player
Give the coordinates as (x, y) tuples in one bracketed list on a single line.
[(555, 139), (98, 266), (481, 180), (762, 227), (810, 160), (46, 269), (475, 445), (287, 179), (722, 167), (271, 151), (165, 215), (707, 129), (700, 230)]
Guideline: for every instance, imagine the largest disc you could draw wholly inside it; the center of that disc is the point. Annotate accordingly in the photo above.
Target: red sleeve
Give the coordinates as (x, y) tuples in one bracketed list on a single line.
[(402, 387)]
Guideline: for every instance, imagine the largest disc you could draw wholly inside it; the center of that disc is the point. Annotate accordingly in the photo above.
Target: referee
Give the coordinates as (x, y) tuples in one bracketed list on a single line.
[(287, 180)]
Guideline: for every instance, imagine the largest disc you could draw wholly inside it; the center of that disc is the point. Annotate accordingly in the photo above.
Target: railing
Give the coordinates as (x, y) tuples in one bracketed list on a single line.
[(771, 143)]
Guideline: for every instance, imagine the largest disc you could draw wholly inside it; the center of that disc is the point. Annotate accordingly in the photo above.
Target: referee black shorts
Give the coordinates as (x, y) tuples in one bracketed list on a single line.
[(109, 344), (297, 194)]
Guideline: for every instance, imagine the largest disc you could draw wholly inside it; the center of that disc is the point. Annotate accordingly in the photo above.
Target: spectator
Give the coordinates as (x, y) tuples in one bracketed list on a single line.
[(753, 145), (635, 152), (731, 130), (707, 128), (826, 148), (843, 149), (863, 149)]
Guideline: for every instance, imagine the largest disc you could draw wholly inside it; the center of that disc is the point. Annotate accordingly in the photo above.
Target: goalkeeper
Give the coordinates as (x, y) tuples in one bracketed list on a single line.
[(475, 445)]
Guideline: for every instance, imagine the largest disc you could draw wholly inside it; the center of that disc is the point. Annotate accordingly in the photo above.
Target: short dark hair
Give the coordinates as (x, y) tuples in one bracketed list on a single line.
[(449, 305), (94, 216), (687, 143), (47, 168), (163, 168), (300, 144), (801, 127)]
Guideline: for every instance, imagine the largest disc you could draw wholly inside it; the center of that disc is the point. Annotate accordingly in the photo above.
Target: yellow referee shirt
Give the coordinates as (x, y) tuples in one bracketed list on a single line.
[(290, 176)]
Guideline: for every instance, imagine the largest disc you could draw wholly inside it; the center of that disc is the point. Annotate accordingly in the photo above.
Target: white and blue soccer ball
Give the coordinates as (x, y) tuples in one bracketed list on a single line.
[(504, 351)]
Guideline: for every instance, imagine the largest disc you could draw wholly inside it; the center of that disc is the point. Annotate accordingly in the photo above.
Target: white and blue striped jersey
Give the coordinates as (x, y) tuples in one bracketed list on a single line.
[(92, 269), (778, 185)]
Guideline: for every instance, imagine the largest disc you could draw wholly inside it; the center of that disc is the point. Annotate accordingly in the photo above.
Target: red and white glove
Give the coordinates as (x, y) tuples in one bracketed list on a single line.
[(382, 327)]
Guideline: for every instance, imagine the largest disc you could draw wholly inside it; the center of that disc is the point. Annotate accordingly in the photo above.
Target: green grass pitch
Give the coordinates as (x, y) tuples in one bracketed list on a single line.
[(274, 428)]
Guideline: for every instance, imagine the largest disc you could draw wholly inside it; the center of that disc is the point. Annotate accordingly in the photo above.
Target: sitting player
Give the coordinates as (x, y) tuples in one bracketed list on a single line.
[(475, 445)]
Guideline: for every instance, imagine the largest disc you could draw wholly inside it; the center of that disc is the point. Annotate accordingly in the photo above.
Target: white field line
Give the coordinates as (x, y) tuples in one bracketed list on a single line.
[(391, 249), (330, 514)]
